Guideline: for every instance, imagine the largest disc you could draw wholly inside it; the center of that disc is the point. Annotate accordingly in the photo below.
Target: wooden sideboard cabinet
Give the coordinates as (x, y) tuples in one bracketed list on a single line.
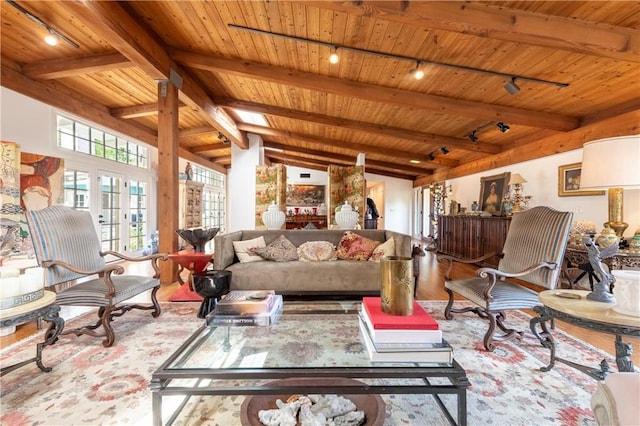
[(299, 221), (190, 204), (468, 237)]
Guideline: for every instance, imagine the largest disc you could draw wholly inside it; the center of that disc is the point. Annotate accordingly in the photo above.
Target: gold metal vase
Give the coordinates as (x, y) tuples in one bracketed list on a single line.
[(396, 293)]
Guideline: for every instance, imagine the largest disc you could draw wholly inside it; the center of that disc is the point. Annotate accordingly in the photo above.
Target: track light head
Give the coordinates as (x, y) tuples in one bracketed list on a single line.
[(51, 38), (416, 72), (503, 127), (444, 150), (220, 135), (473, 136), (431, 157), (333, 57), (511, 86)]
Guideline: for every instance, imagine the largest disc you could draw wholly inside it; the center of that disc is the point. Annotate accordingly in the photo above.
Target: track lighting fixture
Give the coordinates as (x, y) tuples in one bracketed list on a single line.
[(52, 36), (431, 157), (416, 72), (511, 86), (473, 136), (220, 135), (334, 58), (444, 150), (405, 58), (503, 127)]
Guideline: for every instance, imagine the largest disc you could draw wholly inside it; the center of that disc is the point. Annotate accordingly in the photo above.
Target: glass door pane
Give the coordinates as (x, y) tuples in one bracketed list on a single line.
[(111, 214)]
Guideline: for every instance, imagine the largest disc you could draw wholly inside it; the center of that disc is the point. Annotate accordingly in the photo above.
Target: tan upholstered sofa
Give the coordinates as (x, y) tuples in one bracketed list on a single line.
[(337, 277)]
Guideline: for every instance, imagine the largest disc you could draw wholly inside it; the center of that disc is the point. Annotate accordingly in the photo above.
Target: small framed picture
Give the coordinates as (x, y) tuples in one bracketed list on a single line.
[(492, 192), (569, 181)]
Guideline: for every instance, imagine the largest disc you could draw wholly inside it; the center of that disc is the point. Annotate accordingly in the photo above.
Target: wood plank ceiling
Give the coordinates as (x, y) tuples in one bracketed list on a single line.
[(319, 113)]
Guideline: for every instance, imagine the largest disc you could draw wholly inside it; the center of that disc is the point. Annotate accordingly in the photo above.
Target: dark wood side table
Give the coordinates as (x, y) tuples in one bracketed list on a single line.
[(44, 308)]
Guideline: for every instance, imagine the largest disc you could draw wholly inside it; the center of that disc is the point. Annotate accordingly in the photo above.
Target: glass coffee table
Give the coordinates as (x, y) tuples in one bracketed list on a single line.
[(313, 348)]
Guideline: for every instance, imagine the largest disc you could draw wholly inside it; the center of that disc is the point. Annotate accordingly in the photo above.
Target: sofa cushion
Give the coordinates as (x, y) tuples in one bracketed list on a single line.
[(316, 251), (280, 250), (388, 248), (355, 247), (244, 249)]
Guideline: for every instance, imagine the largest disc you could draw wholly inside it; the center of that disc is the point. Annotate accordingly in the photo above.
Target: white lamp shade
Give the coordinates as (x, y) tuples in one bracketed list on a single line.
[(516, 178), (611, 163)]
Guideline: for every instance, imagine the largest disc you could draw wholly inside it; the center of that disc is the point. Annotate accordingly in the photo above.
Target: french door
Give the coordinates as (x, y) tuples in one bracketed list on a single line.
[(112, 214)]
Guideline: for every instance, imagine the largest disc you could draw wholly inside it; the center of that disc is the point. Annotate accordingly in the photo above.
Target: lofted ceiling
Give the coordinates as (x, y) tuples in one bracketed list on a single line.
[(576, 63)]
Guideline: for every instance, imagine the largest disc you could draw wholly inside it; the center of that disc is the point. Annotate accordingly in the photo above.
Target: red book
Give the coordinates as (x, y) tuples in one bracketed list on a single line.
[(419, 320)]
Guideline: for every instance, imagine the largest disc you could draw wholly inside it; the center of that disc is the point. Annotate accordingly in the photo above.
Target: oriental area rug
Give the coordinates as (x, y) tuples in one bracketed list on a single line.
[(93, 385)]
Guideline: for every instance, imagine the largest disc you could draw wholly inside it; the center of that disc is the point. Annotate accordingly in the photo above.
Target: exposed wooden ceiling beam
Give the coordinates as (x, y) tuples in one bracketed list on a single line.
[(195, 131), (132, 39), (61, 97), (624, 124), (329, 158), (489, 21), (441, 104), (70, 67), (208, 148), (375, 129), (65, 99), (357, 147), (322, 164), (201, 161), (137, 111)]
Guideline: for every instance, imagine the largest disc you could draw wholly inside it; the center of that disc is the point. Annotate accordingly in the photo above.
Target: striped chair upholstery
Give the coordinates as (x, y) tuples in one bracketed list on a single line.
[(533, 253), (67, 247)]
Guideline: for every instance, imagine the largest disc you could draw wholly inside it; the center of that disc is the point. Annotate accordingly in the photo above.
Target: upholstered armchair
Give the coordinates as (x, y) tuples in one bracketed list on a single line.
[(67, 246), (532, 254)]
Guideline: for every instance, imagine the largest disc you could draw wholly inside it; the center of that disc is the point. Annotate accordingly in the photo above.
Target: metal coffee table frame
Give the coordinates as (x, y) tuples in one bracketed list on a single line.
[(429, 380)]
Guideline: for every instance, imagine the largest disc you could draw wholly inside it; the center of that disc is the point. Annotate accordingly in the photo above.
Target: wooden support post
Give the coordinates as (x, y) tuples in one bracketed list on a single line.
[(168, 204)]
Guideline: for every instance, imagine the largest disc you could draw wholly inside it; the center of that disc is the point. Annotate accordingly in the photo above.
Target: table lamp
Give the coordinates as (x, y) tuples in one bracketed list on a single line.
[(612, 164), (519, 201)]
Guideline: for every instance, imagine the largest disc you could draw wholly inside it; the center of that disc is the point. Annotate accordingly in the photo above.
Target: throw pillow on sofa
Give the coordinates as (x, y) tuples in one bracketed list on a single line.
[(280, 250), (355, 247), (316, 251), (388, 248), (244, 249)]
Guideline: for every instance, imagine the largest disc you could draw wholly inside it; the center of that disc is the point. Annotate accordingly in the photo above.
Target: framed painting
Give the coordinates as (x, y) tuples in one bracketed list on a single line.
[(569, 181), (492, 192), (305, 195)]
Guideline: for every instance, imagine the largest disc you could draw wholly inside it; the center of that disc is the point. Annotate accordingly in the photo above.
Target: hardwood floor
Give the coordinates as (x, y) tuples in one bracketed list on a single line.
[(429, 287)]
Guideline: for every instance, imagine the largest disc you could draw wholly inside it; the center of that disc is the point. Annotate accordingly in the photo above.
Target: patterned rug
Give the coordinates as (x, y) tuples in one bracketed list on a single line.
[(92, 385)]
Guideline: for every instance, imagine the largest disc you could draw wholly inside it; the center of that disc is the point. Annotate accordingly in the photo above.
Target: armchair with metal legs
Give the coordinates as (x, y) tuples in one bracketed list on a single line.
[(532, 254)]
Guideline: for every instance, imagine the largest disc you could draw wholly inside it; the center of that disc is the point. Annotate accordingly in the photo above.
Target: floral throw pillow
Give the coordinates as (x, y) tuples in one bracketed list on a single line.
[(355, 247), (388, 248), (244, 249), (280, 250), (316, 251)]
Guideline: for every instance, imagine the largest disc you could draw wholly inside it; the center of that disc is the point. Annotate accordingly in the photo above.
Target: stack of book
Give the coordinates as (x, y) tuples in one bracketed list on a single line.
[(395, 338), (246, 307)]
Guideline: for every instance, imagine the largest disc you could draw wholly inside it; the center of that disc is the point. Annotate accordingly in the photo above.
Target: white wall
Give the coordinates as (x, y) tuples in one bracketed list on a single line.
[(542, 185), (241, 185)]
